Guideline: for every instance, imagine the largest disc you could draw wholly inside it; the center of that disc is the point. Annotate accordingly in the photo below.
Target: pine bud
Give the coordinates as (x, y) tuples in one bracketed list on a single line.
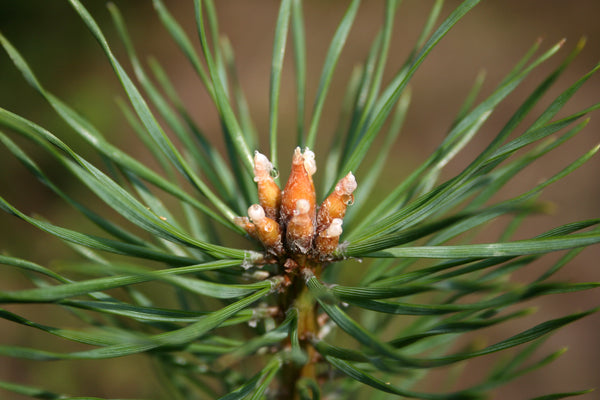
[(328, 239), (286, 221), (269, 194), (299, 185), (300, 228), (335, 204), (267, 229)]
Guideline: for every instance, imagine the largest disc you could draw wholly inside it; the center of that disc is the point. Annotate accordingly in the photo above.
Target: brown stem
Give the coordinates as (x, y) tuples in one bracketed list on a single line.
[(299, 297)]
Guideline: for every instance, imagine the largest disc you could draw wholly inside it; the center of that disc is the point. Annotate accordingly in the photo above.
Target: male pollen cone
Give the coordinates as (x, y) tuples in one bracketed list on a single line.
[(269, 194), (299, 185), (334, 206)]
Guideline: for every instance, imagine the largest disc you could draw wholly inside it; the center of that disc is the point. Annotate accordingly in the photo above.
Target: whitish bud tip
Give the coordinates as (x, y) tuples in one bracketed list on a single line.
[(262, 166), (347, 185), (297, 157), (310, 165), (256, 213), (302, 206), (335, 228)]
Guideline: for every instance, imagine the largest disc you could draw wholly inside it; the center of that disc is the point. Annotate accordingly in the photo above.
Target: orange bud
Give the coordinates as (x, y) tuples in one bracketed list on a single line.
[(267, 229), (299, 185), (269, 194), (300, 228), (335, 204), (328, 239)]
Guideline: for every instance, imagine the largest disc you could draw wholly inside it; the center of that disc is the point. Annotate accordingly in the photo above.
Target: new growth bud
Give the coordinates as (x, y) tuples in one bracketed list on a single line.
[(286, 221), (267, 229), (269, 194), (299, 185), (335, 204)]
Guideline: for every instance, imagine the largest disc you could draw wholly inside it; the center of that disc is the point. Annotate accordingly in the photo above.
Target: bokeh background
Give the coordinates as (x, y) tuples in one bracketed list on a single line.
[(492, 37)]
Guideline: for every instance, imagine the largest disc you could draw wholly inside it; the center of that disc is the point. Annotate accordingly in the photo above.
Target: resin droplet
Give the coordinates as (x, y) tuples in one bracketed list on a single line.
[(328, 239), (267, 229), (300, 228), (299, 185), (269, 194), (335, 204)]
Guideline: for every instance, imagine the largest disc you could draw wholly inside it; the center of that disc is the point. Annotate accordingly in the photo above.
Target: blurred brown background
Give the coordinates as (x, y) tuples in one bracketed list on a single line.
[(492, 37)]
